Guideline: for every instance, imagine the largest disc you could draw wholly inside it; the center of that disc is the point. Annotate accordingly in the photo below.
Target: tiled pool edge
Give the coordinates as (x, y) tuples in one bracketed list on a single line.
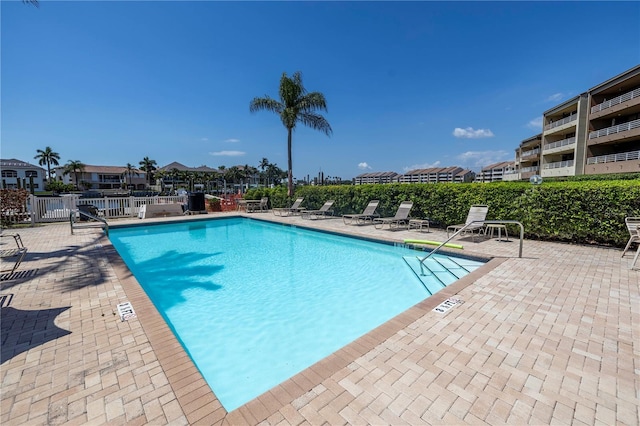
[(195, 397)]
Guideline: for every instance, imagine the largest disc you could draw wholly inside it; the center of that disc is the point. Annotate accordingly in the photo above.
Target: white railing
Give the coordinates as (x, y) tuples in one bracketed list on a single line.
[(612, 158), (58, 209), (558, 144), (558, 164), (529, 169), (615, 129), (616, 101), (530, 152), (569, 119)]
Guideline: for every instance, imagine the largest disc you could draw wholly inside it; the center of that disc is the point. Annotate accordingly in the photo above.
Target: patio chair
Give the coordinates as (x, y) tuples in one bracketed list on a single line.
[(401, 218), (259, 207), (633, 224), (323, 211), (368, 214), (635, 258), (286, 211), (475, 221), (14, 255)]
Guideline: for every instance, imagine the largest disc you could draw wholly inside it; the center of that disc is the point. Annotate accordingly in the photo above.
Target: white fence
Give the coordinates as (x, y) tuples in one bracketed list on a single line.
[(58, 209)]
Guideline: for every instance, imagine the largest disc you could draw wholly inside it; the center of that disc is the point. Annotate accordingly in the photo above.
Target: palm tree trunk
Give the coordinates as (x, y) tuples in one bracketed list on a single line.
[(290, 184)]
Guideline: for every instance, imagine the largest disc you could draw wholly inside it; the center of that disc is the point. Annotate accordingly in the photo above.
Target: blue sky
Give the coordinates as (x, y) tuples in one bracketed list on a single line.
[(408, 85)]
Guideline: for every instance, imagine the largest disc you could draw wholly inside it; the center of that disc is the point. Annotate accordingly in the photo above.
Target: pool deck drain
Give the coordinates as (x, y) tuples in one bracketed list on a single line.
[(549, 338)]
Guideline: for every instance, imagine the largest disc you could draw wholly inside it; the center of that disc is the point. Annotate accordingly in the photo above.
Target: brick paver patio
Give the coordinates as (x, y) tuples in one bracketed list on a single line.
[(549, 338)]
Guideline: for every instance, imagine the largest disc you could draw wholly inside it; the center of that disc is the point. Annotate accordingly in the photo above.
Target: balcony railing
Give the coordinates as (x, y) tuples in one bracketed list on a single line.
[(529, 169), (616, 101), (612, 158), (558, 144), (530, 152), (569, 119), (558, 164), (615, 129)]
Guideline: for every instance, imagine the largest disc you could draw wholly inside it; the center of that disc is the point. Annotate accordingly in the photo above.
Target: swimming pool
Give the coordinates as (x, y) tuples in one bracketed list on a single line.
[(254, 303)]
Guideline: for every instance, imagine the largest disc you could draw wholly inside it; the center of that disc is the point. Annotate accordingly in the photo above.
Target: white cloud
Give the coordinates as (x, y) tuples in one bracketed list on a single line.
[(233, 140), (421, 166), (204, 139), (364, 166), (555, 97), (471, 133), (484, 158), (228, 153), (535, 124)]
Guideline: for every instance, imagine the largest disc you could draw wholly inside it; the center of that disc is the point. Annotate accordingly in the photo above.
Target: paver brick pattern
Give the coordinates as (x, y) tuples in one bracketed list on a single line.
[(553, 337)]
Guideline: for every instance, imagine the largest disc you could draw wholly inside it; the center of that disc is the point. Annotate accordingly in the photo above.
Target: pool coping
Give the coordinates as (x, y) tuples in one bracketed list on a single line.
[(197, 399)]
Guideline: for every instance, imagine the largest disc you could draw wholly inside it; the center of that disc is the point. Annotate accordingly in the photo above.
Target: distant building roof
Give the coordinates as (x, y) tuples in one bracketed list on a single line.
[(377, 174), (12, 162), (500, 165), (181, 167)]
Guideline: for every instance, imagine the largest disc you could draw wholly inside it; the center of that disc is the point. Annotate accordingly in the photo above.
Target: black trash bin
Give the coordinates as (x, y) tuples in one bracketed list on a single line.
[(196, 202)]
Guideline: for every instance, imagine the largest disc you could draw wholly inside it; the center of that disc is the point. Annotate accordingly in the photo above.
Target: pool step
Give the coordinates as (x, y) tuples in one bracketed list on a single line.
[(438, 271)]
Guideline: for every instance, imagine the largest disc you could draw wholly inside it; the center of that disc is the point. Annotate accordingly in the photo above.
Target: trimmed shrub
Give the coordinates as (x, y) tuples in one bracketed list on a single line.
[(578, 211)]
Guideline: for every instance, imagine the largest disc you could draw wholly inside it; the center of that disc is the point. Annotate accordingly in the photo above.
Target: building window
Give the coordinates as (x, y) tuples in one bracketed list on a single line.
[(31, 173), (9, 173)]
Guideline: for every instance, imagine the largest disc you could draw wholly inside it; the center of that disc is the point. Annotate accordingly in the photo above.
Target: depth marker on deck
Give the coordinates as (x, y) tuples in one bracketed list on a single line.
[(448, 304)]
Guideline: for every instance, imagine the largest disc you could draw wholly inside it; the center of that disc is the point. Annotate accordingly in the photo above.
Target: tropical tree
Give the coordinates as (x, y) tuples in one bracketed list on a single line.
[(75, 167), (264, 163), (296, 105), (149, 166), (131, 170), (48, 157)]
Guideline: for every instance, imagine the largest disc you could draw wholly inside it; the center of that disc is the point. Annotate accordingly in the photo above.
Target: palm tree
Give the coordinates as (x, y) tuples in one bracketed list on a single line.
[(264, 163), (47, 157), (295, 105), (131, 170), (149, 166), (75, 167)]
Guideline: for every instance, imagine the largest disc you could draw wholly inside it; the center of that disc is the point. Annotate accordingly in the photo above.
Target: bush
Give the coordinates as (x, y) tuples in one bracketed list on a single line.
[(579, 211)]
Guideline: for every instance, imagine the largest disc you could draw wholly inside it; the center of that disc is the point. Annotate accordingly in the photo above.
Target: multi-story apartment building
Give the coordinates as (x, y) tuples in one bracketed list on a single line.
[(376, 177), (527, 161), (437, 175), (563, 148), (13, 170), (495, 172), (596, 132), (104, 177), (613, 137)]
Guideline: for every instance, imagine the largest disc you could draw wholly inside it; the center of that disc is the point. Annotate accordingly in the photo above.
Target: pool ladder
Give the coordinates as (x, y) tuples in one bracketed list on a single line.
[(72, 220), (443, 277), (486, 222)]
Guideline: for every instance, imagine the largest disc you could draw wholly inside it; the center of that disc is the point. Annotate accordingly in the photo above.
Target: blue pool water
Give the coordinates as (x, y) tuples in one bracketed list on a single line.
[(254, 303)]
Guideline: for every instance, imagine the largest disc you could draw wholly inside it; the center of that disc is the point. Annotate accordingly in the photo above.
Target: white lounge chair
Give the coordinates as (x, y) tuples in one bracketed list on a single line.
[(294, 209), (367, 215), (323, 211), (401, 218), (633, 224), (14, 255), (475, 221)]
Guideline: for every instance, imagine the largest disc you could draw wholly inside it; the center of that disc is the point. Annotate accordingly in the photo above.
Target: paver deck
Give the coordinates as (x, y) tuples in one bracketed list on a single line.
[(552, 337)]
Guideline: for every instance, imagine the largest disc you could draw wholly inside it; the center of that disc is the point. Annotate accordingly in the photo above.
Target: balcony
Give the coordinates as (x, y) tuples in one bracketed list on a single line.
[(569, 119), (558, 165), (530, 169), (558, 144), (615, 130), (530, 153), (624, 162), (616, 101), (612, 158)]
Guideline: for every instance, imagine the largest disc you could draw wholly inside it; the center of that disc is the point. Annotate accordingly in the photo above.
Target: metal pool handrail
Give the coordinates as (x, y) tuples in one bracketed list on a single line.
[(485, 222), (72, 217)]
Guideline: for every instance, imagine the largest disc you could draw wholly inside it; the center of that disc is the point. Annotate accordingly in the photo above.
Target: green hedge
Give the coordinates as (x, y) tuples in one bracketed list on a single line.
[(590, 212)]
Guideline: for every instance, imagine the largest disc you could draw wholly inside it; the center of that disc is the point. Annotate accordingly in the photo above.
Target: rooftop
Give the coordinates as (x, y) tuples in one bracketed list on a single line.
[(551, 337)]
